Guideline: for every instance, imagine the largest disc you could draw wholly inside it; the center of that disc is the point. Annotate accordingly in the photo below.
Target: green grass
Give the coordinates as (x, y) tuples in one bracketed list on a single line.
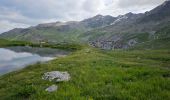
[(6, 43), (64, 46), (50, 34), (162, 43), (95, 74)]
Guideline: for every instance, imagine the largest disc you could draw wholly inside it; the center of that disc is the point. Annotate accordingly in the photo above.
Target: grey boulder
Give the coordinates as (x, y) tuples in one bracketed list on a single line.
[(56, 76), (51, 88)]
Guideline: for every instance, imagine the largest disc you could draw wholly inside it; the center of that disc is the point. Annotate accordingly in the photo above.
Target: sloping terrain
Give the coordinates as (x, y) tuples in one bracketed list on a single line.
[(58, 31), (120, 75), (106, 32), (124, 32), (137, 69)]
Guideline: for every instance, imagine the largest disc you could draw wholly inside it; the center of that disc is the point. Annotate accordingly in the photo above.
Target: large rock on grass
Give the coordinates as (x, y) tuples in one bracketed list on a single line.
[(56, 76)]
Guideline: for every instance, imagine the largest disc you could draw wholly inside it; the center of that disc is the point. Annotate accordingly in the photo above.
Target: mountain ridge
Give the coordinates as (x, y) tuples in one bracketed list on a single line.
[(107, 32)]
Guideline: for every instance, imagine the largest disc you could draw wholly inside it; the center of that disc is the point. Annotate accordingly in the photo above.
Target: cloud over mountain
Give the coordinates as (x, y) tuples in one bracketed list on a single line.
[(17, 13)]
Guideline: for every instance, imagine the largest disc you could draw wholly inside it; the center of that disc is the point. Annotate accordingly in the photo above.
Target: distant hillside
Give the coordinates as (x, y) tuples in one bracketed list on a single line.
[(106, 32), (58, 31)]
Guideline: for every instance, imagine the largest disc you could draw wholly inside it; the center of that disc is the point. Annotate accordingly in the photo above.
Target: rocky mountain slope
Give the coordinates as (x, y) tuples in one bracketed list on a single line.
[(105, 32), (132, 29)]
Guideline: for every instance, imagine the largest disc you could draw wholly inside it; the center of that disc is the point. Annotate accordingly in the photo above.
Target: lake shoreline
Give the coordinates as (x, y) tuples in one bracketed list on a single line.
[(18, 57)]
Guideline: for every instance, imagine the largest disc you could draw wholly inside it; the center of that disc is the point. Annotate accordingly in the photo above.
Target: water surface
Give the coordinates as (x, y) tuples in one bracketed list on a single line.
[(14, 58)]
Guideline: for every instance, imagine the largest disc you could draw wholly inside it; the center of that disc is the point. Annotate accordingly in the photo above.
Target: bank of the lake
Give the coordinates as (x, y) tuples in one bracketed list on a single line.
[(62, 46), (17, 57), (95, 74)]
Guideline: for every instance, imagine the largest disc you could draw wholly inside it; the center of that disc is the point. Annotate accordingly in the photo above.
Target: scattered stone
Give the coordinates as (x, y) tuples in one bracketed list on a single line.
[(132, 42), (51, 88), (56, 76), (87, 51)]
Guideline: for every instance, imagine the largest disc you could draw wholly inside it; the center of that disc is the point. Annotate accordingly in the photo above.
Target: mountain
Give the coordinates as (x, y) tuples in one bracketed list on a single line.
[(157, 14), (58, 31), (98, 21), (132, 29), (107, 32)]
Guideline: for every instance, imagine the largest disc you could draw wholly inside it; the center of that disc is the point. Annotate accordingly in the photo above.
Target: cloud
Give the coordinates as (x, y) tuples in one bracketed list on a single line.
[(139, 3), (32, 12), (135, 6), (60, 9), (5, 25), (8, 55)]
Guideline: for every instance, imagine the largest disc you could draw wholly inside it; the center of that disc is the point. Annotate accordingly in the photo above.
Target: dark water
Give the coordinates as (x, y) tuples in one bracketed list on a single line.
[(14, 58)]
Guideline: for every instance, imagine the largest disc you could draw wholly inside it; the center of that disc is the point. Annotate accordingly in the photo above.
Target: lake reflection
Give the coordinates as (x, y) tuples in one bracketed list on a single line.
[(11, 60)]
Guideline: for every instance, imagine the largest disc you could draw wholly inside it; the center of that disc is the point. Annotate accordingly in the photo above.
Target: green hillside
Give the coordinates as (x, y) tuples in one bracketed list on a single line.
[(50, 35)]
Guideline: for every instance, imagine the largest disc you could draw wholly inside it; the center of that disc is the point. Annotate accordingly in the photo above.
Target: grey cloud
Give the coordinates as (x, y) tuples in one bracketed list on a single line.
[(6, 25), (139, 3)]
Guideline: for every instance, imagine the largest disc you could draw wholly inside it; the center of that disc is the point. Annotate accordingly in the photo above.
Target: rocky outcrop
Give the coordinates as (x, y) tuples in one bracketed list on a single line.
[(56, 76), (132, 42)]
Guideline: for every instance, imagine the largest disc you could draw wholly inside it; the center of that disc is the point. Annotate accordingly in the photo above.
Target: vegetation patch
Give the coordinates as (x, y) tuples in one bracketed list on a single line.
[(118, 74)]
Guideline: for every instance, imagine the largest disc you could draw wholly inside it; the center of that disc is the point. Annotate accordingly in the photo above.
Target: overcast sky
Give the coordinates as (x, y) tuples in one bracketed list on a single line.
[(25, 13)]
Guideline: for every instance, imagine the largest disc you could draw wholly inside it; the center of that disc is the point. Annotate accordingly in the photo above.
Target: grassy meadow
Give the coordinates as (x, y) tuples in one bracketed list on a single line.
[(95, 75)]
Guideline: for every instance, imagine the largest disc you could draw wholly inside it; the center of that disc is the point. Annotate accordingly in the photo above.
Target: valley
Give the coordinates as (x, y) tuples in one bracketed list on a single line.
[(126, 57)]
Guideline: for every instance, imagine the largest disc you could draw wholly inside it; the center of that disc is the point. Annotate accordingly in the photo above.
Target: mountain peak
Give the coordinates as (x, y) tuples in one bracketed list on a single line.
[(129, 14), (98, 16)]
